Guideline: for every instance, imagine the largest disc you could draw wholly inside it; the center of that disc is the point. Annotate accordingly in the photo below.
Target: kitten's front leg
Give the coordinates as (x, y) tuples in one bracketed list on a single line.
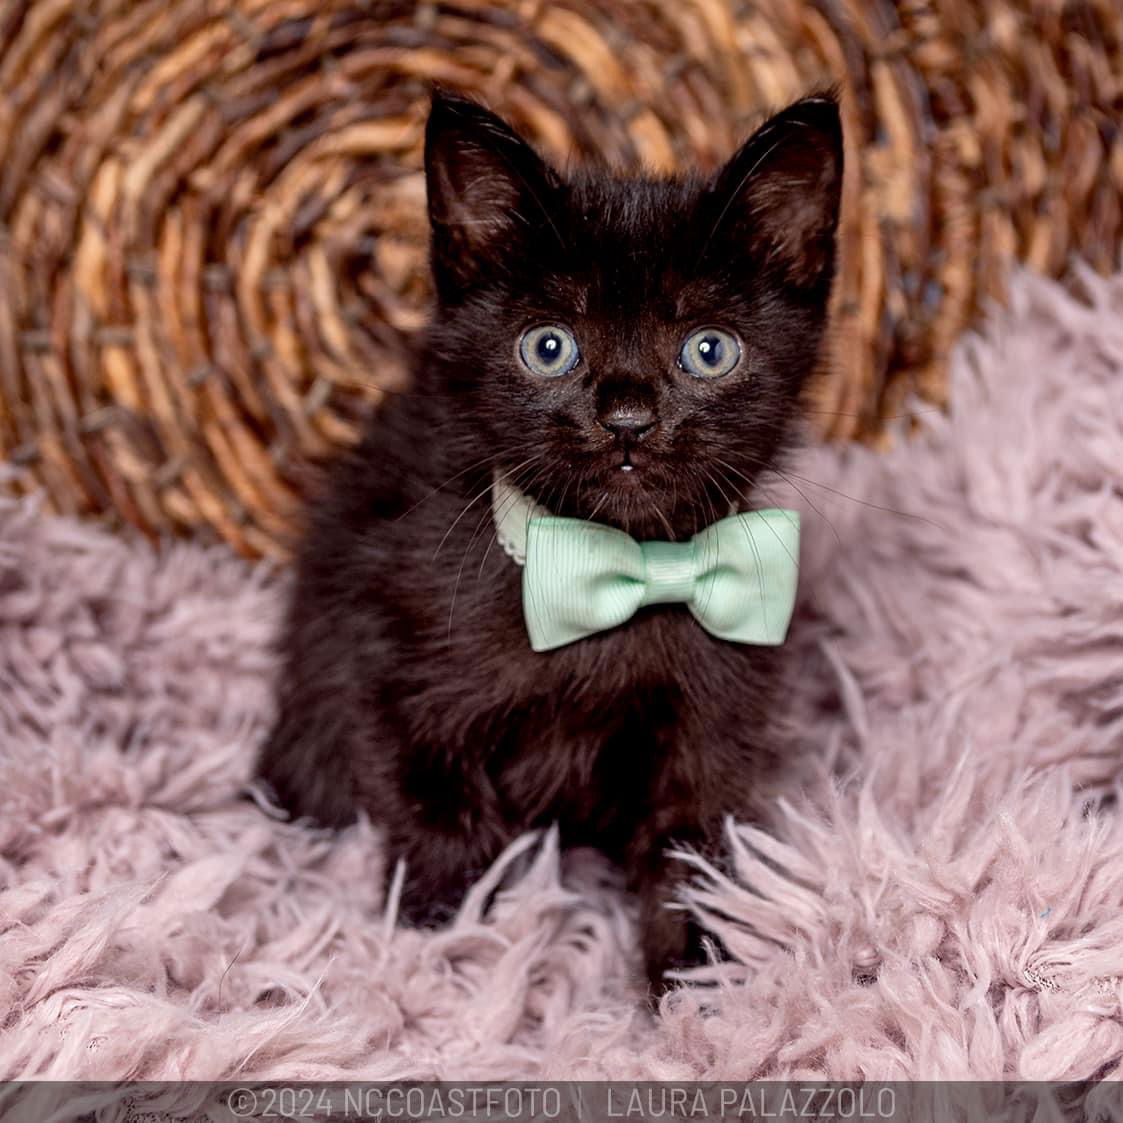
[(327, 758), (720, 759), (446, 822), (439, 871), (671, 937)]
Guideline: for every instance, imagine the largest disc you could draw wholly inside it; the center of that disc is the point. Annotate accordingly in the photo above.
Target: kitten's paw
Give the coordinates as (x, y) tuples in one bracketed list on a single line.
[(431, 899), (418, 909), (306, 774), (672, 942)]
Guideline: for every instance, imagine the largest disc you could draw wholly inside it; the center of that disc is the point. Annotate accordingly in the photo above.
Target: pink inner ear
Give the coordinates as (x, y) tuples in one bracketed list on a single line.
[(477, 199), (793, 218), (792, 206)]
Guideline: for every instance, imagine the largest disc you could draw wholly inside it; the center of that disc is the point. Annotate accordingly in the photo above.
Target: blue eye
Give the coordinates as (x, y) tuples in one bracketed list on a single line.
[(549, 351), (709, 353)]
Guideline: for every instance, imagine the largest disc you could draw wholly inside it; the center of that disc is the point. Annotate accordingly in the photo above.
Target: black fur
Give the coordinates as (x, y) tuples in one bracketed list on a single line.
[(409, 687)]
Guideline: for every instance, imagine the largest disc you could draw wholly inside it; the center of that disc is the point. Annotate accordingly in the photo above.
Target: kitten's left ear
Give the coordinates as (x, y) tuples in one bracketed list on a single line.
[(778, 197)]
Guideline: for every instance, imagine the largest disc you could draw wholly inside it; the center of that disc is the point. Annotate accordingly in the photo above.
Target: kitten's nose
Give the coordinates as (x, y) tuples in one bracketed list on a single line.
[(628, 420)]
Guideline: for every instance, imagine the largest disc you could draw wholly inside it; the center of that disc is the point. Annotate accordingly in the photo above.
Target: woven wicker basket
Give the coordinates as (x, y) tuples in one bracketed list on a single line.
[(212, 239)]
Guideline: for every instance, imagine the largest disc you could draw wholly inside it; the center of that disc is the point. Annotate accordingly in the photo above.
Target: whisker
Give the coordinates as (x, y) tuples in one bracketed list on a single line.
[(908, 416), (598, 505), (806, 498), (468, 506), (479, 524), (854, 499), (713, 519), (464, 471), (516, 481), (816, 603), (545, 501), (861, 502), (666, 524), (791, 521), (748, 538), (512, 501)]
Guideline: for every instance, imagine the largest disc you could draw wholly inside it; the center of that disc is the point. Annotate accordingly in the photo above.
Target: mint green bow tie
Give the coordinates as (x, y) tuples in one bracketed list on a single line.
[(737, 577)]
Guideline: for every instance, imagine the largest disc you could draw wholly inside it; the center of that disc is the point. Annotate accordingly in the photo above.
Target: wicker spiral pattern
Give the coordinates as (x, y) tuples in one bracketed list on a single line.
[(211, 211)]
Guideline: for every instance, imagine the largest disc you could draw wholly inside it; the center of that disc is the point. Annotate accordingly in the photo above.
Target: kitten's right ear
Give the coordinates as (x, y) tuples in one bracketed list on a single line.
[(486, 188)]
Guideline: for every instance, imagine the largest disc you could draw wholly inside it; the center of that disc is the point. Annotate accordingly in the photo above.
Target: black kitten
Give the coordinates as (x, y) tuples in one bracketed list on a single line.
[(410, 689)]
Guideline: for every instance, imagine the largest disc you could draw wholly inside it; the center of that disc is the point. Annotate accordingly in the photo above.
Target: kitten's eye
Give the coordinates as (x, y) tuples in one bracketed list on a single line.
[(549, 351), (709, 353)]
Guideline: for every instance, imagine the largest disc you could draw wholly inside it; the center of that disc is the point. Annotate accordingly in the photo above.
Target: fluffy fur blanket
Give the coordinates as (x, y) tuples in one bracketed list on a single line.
[(938, 894)]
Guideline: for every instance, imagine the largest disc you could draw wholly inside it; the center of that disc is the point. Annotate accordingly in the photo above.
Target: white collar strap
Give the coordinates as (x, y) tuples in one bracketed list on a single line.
[(511, 511)]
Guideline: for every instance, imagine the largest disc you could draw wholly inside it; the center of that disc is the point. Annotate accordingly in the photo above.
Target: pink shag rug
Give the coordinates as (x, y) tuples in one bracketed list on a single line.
[(938, 895)]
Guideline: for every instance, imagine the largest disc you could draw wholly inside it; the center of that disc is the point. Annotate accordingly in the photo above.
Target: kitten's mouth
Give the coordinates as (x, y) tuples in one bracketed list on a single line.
[(626, 469), (630, 477)]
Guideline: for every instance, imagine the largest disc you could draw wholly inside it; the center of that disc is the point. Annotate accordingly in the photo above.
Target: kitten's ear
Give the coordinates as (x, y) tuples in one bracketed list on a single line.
[(486, 187), (778, 198)]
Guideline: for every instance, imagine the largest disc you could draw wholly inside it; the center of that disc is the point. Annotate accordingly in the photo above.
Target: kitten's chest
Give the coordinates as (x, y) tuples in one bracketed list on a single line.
[(651, 710)]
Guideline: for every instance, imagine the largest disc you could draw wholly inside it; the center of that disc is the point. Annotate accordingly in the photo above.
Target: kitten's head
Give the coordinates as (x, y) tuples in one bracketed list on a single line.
[(630, 349)]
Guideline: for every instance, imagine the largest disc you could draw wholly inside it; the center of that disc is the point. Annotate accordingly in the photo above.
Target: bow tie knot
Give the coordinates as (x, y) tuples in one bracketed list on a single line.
[(737, 577), (669, 572)]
